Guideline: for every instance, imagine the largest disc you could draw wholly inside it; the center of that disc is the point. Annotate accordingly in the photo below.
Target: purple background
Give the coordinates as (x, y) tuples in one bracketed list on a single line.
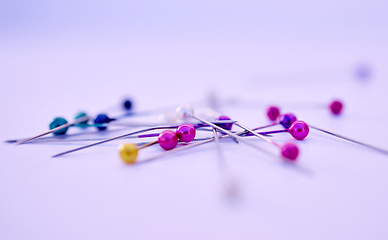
[(58, 57)]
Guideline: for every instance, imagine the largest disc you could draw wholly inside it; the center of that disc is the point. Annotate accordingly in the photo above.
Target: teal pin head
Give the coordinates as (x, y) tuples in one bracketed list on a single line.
[(57, 122), (81, 115)]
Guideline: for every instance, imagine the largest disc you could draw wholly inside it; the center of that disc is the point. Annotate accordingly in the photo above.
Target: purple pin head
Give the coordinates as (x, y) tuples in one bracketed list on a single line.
[(290, 151), (299, 130), (167, 140), (287, 119), (363, 71), (226, 126), (273, 112), (185, 132), (336, 107)]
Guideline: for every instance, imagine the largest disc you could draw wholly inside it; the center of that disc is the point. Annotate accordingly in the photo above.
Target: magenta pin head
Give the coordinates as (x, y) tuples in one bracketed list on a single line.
[(336, 107), (299, 130), (290, 151), (226, 126), (287, 119), (185, 132), (167, 140), (273, 112)]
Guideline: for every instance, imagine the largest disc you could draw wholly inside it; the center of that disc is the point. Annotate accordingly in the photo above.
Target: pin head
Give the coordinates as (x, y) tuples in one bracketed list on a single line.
[(167, 140), (101, 119), (57, 122), (336, 107), (290, 151), (299, 130), (273, 112), (287, 119), (81, 115), (127, 104), (363, 72), (185, 132), (226, 126), (128, 153), (184, 112)]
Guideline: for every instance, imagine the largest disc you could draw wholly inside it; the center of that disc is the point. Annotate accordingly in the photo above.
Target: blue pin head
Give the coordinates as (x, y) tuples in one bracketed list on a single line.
[(57, 122), (127, 104), (102, 118)]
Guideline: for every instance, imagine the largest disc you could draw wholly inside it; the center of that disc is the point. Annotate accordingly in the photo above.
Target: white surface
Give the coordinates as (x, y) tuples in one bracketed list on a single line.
[(55, 64)]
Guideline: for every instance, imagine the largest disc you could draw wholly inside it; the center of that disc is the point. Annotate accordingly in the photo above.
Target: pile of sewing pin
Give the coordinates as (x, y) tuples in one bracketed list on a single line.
[(208, 120), (173, 136)]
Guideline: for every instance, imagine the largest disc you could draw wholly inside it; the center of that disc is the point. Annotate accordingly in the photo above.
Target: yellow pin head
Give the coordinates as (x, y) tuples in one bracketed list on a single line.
[(128, 153)]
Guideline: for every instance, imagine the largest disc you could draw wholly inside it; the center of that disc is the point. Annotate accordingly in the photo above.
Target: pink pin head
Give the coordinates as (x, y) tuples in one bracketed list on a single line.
[(226, 126), (287, 119), (336, 107), (273, 112), (290, 151), (167, 140), (299, 130), (185, 132)]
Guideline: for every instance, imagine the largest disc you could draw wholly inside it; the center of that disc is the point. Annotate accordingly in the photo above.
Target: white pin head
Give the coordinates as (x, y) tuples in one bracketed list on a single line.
[(184, 112)]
